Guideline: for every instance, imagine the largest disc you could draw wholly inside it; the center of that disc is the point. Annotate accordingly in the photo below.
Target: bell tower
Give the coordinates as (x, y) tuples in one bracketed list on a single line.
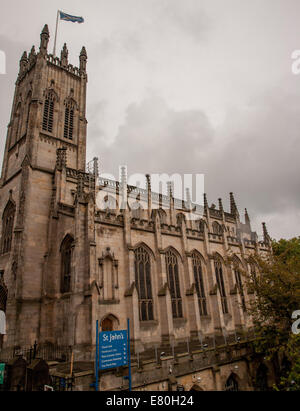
[(48, 112), (48, 115)]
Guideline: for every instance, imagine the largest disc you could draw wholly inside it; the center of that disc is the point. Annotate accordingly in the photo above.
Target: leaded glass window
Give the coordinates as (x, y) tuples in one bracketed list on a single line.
[(7, 227), (221, 285), (239, 282), (174, 285), (198, 276), (48, 113), (66, 264), (143, 284)]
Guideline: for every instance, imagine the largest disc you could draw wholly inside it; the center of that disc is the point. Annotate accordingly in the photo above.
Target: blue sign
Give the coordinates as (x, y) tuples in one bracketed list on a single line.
[(113, 349)]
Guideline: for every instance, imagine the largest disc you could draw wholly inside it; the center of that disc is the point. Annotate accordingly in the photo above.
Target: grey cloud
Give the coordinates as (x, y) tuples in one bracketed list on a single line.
[(255, 153), (155, 138)]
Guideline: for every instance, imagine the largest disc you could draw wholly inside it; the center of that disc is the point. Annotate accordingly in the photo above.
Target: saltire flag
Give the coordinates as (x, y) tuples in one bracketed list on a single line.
[(68, 17)]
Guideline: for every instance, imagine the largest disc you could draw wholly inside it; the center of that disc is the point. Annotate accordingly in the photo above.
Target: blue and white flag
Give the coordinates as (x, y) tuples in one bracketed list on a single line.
[(68, 17)]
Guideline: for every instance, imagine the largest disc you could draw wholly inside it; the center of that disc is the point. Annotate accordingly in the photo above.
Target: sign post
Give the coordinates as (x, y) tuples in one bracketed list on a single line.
[(97, 352), (129, 356), (112, 351)]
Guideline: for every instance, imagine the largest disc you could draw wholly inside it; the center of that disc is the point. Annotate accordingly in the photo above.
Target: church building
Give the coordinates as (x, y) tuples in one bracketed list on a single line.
[(68, 260)]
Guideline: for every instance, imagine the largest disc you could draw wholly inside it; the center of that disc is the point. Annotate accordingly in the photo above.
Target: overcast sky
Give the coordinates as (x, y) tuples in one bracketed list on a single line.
[(188, 86)]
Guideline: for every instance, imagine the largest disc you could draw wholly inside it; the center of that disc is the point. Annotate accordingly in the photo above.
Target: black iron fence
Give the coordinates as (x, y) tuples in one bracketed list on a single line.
[(47, 352)]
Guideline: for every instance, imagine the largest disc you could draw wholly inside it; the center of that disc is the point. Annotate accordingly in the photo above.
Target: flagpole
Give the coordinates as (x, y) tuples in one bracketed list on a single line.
[(55, 39)]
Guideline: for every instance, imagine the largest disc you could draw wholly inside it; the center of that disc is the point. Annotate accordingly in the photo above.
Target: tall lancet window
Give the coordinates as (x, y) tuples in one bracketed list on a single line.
[(7, 227), (66, 264), (69, 120), (240, 286), (198, 275), (143, 284), (28, 102), (48, 112), (174, 285), (221, 285)]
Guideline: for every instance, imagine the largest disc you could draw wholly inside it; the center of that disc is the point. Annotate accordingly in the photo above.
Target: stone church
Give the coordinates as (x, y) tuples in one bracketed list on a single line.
[(66, 262)]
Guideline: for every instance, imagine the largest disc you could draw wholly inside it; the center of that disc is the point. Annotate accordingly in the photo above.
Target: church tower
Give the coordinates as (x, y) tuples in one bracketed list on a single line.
[(48, 115)]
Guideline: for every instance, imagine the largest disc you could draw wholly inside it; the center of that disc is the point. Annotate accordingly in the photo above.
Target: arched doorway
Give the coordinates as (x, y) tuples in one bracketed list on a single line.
[(107, 325)]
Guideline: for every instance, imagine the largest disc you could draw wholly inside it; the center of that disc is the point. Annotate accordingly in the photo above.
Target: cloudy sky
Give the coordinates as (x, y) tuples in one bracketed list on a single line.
[(183, 86)]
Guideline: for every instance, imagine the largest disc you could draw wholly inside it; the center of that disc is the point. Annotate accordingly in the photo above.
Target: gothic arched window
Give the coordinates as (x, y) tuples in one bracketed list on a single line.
[(66, 264), (143, 284), (28, 102), (217, 229), (240, 286), (198, 275), (69, 120), (174, 285), (48, 112), (221, 285), (253, 270), (16, 125), (162, 216), (7, 227), (231, 384)]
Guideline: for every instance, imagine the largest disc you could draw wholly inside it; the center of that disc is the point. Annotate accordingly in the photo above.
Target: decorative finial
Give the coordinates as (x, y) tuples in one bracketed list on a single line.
[(83, 52), (64, 56), (247, 218), (266, 234), (96, 167), (170, 186), (233, 207), (44, 40), (148, 178), (32, 56), (83, 60), (205, 202), (221, 208), (23, 63), (45, 30)]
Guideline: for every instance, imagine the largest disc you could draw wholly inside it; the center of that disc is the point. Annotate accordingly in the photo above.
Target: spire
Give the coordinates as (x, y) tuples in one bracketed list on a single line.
[(170, 194), (96, 167), (123, 187), (45, 36), (64, 56), (205, 202), (46, 30), (83, 60), (148, 178), (247, 218), (32, 56), (266, 234), (149, 192), (233, 207), (221, 208), (188, 199), (23, 62)]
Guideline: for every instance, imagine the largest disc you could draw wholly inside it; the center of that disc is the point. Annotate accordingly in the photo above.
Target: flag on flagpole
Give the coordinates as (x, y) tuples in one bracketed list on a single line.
[(68, 17)]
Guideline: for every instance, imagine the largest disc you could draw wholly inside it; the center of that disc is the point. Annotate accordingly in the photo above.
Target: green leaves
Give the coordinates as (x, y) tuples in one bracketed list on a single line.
[(277, 296)]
